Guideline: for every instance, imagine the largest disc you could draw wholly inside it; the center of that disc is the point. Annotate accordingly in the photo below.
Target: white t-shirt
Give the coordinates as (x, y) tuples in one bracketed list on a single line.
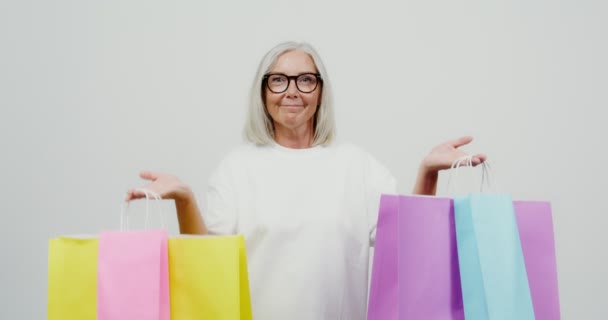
[(306, 215)]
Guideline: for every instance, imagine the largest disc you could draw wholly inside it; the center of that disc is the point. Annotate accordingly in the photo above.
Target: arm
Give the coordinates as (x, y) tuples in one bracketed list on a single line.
[(426, 182), (189, 216)]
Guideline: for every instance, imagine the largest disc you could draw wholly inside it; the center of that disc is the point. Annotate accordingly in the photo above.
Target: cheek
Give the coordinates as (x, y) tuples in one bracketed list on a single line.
[(315, 99), (318, 94), (272, 99)]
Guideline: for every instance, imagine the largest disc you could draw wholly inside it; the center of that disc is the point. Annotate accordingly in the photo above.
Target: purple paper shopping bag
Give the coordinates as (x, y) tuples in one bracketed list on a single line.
[(133, 276), (415, 270), (535, 227)]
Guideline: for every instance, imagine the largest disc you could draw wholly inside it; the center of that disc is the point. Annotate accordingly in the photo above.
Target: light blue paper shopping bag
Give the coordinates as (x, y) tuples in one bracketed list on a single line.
[(492, 269)]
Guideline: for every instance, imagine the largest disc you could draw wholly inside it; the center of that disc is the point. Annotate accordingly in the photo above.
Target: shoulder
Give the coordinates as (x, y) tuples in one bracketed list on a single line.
[(235, 160), (243, 151), (241, 154), (357, 155), (247, 151), (251, 153)]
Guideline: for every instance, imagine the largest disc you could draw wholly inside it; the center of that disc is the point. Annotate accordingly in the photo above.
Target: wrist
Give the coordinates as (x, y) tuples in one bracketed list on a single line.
[(425, 171), (184, 197), (426, 182)]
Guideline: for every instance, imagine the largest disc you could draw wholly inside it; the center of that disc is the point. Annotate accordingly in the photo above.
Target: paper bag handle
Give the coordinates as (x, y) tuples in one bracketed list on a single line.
[(124, 216), (468, 161)]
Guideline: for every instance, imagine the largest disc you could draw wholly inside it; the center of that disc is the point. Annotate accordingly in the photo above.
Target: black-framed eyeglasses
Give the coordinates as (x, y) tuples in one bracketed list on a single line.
[(305, 82)]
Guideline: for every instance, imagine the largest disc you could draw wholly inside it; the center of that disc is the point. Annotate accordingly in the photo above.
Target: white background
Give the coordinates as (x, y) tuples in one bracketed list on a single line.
[(92, 92)]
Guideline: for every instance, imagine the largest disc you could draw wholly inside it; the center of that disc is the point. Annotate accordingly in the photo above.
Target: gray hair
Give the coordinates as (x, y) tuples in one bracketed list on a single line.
[(259, 127)]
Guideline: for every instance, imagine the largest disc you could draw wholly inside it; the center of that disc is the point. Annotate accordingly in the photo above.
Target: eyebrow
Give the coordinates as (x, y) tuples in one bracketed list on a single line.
[(277, 72)]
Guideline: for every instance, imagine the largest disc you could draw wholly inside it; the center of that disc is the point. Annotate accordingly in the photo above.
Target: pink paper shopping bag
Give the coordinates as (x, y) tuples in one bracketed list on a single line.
[(535, 226), (415, 273), (133, 276)]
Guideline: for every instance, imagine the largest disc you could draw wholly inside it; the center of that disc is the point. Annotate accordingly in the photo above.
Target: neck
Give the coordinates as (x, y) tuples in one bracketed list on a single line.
[(298, 138)]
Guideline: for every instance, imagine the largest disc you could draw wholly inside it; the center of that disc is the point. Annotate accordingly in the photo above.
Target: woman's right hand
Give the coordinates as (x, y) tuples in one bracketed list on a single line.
[(166, 185), (170, 187)]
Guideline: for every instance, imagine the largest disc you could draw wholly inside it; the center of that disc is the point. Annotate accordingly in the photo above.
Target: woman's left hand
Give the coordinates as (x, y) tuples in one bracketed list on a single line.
[(443, 156), (440, 158)]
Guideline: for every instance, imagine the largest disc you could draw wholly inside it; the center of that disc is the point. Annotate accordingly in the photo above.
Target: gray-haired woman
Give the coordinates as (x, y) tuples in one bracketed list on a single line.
[(304, 204)]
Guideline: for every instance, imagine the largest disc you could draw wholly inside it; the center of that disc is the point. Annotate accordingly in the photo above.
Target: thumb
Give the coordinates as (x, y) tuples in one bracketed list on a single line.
[(457, 143), (148, 175)]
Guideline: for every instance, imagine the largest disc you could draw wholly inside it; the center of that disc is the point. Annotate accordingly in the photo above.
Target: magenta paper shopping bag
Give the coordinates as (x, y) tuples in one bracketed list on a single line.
[(535, 227), (415, 271), (133, 276)]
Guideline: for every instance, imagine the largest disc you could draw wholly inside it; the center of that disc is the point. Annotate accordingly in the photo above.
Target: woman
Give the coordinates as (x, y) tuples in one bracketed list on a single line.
[(305, 205)]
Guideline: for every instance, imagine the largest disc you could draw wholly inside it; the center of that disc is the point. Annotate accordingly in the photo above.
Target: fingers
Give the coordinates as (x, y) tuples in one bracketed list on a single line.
[(475, 160), (456, 143), (479, 159), (152, 187), (148, 175), (135, 194)]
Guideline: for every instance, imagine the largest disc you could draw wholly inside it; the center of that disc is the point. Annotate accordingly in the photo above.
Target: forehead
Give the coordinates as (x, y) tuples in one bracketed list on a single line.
[(294, 62)]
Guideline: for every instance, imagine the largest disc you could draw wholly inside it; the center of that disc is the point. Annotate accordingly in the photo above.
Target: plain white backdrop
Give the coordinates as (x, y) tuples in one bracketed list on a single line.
[(92, 92)]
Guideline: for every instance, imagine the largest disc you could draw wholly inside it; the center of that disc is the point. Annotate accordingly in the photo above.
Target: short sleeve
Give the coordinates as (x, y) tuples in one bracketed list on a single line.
[(220, 216), (379, 180)]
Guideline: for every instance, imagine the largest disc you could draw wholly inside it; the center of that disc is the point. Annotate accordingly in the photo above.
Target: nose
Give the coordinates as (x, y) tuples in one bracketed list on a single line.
[(292, 90)]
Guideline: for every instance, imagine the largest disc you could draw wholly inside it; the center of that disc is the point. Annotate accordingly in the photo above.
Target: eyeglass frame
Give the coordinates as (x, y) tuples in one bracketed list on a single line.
[(295, 79)]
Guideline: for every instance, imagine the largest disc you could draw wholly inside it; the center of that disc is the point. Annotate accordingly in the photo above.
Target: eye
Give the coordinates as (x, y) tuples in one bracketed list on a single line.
[(306, 79), (277, 79)]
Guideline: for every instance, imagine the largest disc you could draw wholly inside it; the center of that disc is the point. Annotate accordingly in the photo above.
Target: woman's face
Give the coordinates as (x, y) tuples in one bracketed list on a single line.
[(292, 109)]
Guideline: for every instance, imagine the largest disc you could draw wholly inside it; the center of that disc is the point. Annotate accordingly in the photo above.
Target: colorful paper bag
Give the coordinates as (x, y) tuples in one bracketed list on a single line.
[(132, 276), (493, 273), (72, 279), (535, 227), (415, 272), (208, 278)]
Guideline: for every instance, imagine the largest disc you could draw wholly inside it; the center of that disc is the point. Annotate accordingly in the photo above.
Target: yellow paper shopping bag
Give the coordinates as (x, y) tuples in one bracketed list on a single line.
[(208, 278), (72, 290)]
